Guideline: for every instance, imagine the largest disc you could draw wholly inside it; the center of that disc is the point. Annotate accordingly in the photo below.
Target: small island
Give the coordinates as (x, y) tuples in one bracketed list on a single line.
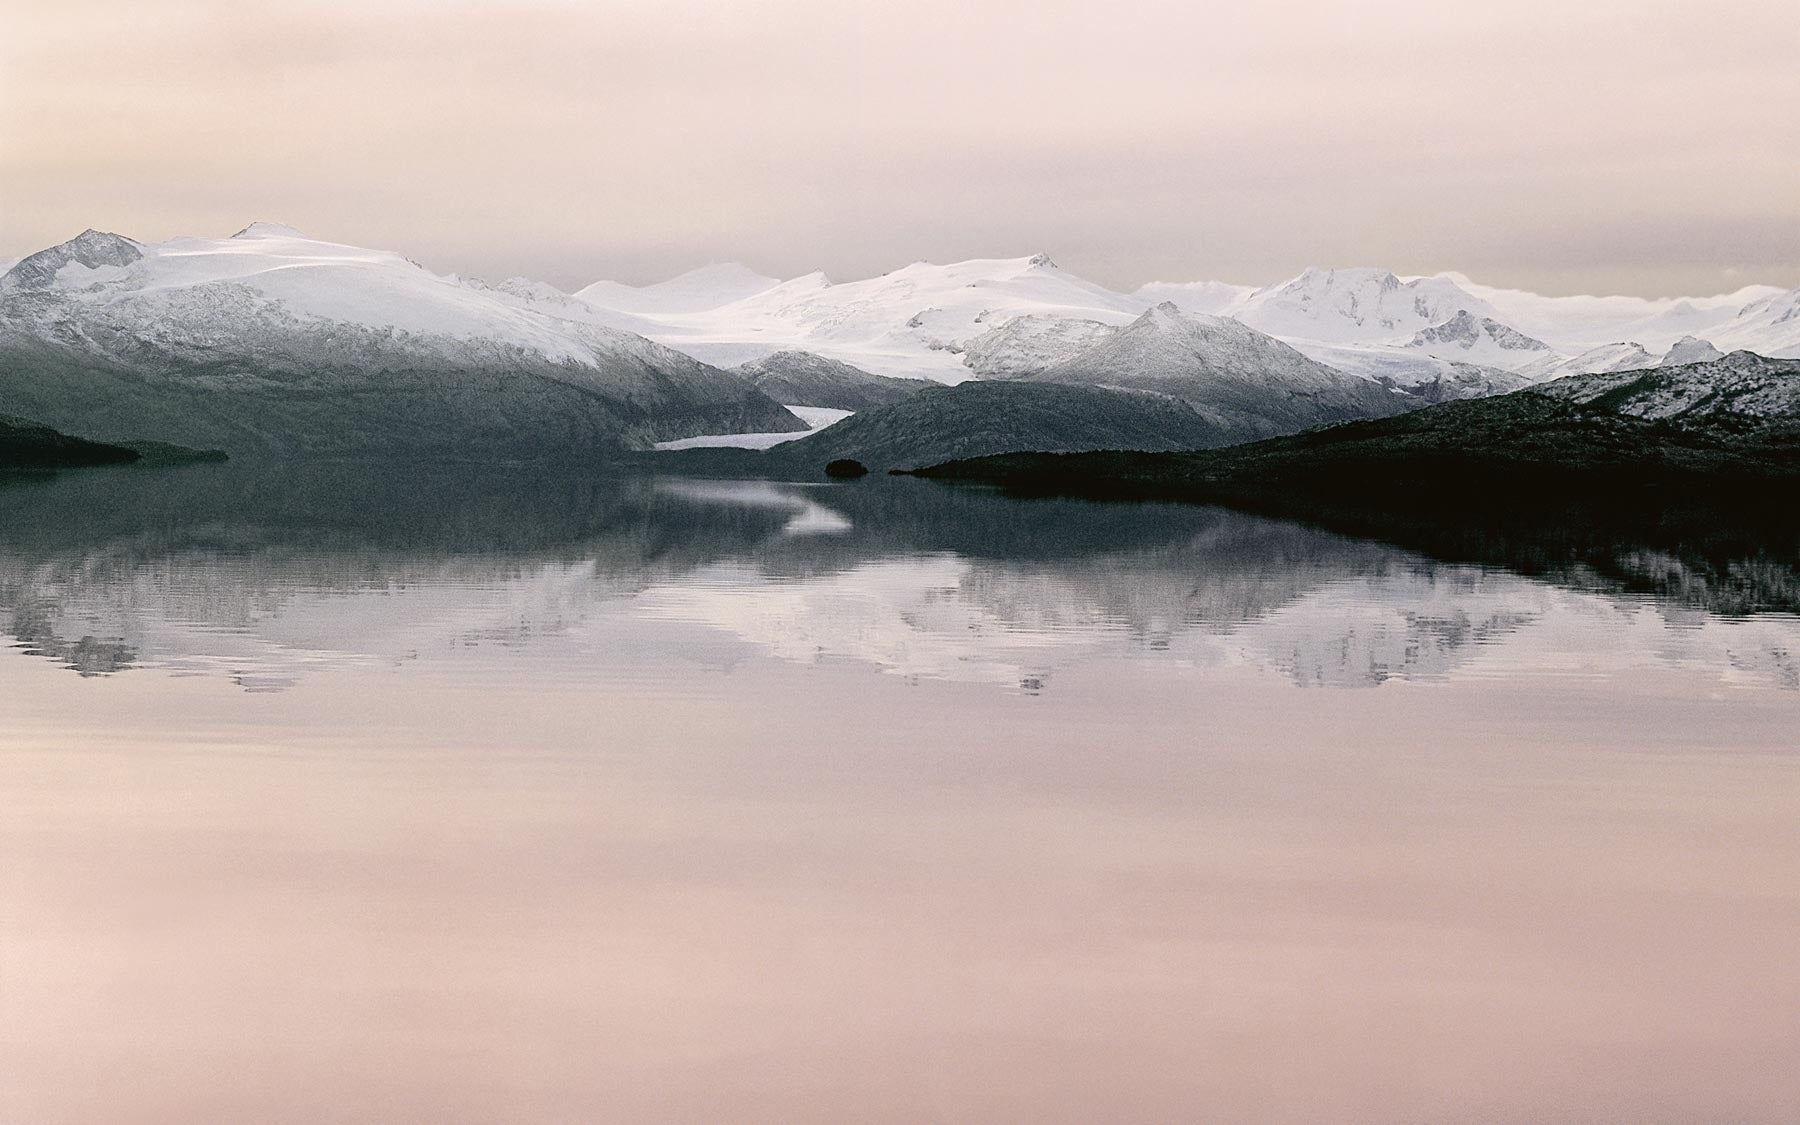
[(27, 446)]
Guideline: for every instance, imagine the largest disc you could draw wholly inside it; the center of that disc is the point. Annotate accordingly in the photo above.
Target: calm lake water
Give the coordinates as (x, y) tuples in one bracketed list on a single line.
[(364, 795)]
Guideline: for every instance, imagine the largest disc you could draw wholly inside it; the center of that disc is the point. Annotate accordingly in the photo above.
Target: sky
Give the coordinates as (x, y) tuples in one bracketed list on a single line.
[(1648, 147)]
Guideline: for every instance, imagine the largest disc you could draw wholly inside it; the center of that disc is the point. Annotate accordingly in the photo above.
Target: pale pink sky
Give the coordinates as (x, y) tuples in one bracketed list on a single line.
[(1648, 147)]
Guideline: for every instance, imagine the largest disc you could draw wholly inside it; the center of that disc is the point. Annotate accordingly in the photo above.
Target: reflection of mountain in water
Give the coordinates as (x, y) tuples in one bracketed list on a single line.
[(262, 574)]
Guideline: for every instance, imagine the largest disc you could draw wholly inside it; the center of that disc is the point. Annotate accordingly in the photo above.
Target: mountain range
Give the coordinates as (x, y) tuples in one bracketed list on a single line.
[(273, 341), (1444, 335)]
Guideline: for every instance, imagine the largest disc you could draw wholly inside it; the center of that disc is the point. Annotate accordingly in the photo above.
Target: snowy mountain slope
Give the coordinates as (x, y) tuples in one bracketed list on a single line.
[(1740, 387), (309, 279), (1419, 374), (1626, 356), (1768, 325), (1031, 343), (1466, 338), (1465, 356), (699, 290), (1246, 382), (913, 322), (1355, 306), (270, 340), (1576, 323)]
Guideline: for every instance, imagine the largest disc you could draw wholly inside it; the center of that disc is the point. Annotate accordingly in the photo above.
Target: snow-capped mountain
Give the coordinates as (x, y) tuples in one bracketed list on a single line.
[(1768, 325), (1436, 337), (699, 290), (114, 338), (1627, 356), (272, 340), (87, 259), (1690, 349), (1355, 306), (1483, 340), (1031, 343), (1577, 323), (1464, 357), (1237, 377), (913, 322)]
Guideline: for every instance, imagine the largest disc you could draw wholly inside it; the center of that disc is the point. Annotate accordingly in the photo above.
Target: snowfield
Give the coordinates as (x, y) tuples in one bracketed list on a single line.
[(815, 417)]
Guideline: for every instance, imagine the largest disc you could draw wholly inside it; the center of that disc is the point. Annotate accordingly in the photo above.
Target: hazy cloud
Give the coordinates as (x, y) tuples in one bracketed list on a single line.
[(1638, 147)]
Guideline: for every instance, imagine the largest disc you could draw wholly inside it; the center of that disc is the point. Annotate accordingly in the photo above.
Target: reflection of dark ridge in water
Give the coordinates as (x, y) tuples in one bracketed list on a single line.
[(35, 632), (1724, 553), (264, 571)]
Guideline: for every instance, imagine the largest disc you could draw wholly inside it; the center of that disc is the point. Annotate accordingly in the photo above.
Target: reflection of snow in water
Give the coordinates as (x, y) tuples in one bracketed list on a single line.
[(1341, 617), (951, 618), (810, 517)]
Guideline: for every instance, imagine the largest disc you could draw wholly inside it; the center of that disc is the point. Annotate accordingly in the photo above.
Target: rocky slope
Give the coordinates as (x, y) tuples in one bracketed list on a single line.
[(1738, 390), (796, 378)]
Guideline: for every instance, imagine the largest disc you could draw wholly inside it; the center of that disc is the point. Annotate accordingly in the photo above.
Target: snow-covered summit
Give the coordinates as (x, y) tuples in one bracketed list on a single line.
[(1029, 343), (1164, 343), (1769, 325), (88, 257), (1468, 338), (1467, 330), (1245, 381), (1355, 305), (1690, 349), (1574, 324), (913, 321), (1624, 356), (201, 287), (700, 290)]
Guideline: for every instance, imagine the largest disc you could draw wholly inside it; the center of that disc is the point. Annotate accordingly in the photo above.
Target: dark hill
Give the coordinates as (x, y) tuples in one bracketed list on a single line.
[(1582, 445), (795, 378)]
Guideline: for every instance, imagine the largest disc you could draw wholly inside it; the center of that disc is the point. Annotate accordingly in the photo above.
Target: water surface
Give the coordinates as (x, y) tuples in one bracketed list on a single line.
[(353, 794)]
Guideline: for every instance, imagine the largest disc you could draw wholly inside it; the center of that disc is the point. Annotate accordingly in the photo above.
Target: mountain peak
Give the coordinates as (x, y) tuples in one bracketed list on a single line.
[(1164, 316), (1466, 330), (261, 229), (91, 249), (1690, 349)]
